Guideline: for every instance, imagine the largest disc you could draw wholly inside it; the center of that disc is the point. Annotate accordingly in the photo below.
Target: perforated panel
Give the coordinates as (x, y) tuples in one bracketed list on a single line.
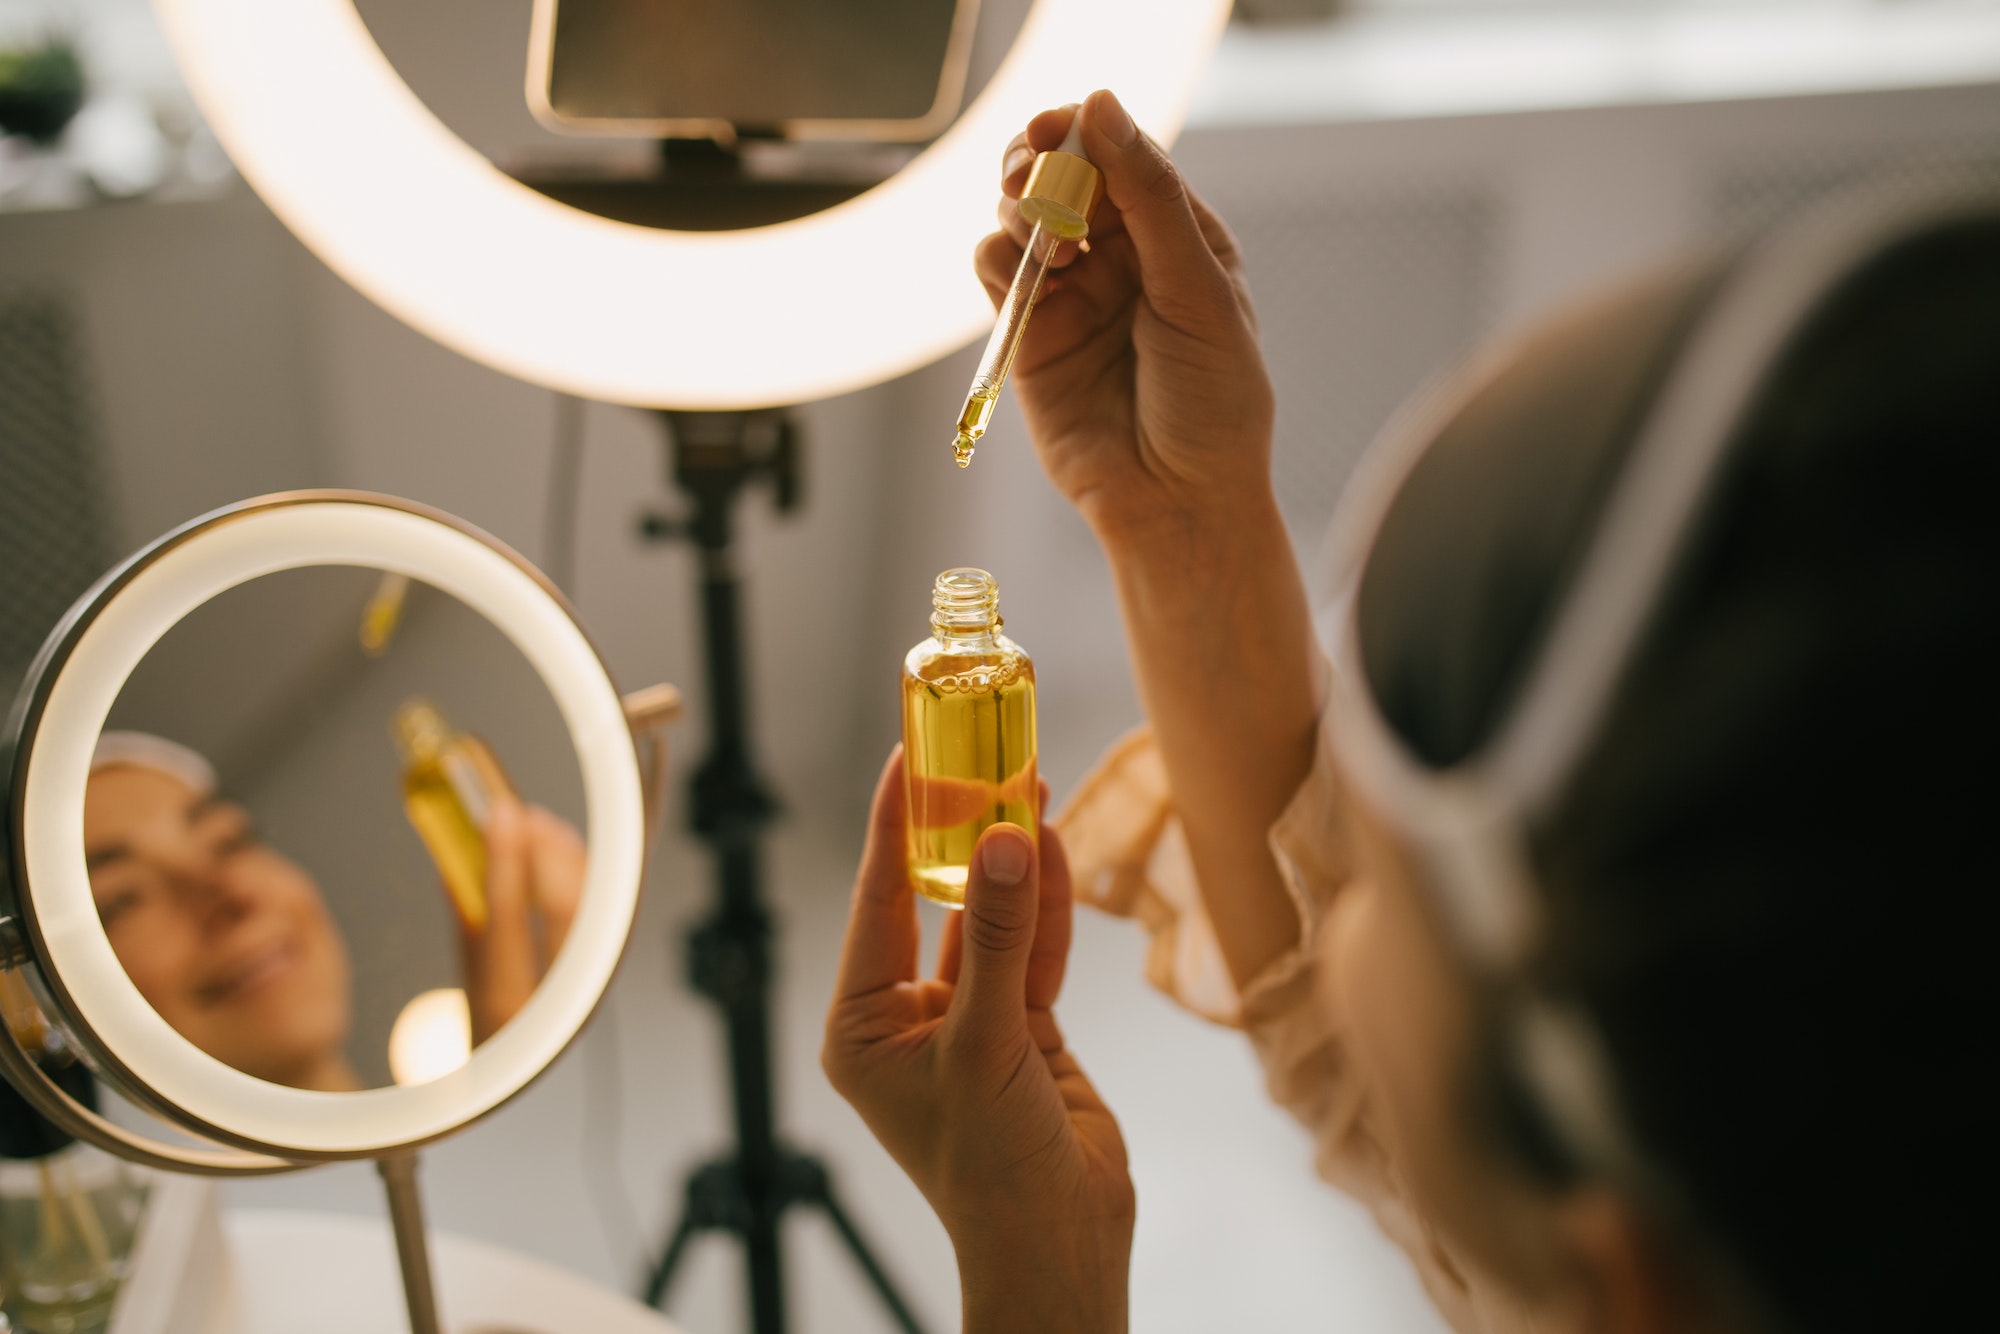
[(1744, 196), (51, 508), (1361, 300)]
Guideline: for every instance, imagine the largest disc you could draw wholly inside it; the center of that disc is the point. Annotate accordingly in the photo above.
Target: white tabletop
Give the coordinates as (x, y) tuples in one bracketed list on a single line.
[(314, 1273)]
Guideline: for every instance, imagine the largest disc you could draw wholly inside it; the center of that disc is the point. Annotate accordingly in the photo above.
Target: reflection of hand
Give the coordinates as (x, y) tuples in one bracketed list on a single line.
[(1140, 377), (534, 880), (965, 1080), (940, 801)]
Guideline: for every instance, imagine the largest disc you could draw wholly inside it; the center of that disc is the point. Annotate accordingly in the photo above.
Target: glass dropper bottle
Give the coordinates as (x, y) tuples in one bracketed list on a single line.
[(1061, 194)]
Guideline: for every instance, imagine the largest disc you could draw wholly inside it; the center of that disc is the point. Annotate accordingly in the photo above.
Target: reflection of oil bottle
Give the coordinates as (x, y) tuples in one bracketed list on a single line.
[(68, 1212), (968, 734), (450, 781)]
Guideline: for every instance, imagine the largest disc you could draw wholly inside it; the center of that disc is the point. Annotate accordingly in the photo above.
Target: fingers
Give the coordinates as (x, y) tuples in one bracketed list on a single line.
[(951, 947), (1014, 164), (951, 937), (500, 965), (1049, 957), (1048, 129), (995, 261), (938, 801), (997, 934), (882, 929), (556, 857), (1182, 275)]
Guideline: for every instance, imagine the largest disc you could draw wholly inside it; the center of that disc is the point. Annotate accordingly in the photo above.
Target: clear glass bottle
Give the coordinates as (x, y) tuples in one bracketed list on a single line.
[(968, 734), (450, 782)]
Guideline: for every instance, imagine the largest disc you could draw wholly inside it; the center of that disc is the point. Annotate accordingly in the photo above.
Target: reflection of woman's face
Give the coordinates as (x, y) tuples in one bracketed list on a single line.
[(229, 941)]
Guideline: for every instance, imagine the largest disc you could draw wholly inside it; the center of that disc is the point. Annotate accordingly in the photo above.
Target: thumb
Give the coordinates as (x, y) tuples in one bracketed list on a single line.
[(1180, 272), (997, 934)]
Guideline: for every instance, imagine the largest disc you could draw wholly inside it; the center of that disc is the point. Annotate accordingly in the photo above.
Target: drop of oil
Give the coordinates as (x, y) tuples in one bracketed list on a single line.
[(961, 451)]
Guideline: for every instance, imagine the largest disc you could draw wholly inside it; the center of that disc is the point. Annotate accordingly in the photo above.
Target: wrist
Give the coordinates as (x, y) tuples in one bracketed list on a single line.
[(1215, 541), (1049, 1283)]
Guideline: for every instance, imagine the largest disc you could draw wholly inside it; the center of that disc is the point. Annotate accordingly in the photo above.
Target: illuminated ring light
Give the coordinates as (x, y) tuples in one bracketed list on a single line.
[(181, 574), (326, 131)]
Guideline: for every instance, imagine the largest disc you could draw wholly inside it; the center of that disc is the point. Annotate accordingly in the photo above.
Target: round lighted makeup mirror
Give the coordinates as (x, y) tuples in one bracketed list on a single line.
[(324, 835)]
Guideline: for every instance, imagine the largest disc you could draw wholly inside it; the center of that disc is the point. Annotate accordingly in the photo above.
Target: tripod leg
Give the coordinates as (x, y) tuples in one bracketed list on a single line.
[(884, 1288), (670, 1259), (766, 1274)]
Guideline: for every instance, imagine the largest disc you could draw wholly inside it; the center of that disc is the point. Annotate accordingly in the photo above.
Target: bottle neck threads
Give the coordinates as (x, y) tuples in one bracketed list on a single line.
[(966, 605)]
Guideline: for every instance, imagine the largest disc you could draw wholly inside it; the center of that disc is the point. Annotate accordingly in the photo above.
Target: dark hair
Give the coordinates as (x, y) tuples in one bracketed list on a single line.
[(1760, 880)]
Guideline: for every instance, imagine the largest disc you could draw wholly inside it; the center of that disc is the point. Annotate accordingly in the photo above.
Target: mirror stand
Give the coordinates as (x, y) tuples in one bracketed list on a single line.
[(413, 1255), (88, 999)]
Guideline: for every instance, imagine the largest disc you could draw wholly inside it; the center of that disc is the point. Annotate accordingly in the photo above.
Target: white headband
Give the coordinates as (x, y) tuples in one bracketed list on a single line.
[(1467, 825), (143, 750)]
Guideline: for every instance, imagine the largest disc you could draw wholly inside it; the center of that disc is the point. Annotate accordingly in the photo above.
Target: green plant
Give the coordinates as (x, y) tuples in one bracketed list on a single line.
[(41, 88)]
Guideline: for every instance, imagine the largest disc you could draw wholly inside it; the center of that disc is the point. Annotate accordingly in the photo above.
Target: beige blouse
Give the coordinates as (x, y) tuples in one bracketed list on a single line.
[(1130, 859)]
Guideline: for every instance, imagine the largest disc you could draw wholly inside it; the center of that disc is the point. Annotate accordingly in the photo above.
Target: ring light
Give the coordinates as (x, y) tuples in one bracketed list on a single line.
[(326, 131)]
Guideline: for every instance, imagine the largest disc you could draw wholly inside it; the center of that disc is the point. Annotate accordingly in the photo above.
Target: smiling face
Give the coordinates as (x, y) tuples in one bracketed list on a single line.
[(230, 942)]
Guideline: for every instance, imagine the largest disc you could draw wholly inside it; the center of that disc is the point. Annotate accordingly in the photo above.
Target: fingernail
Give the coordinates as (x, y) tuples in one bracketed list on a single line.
[(1004, 857), (1016, 160), (1108, 114)]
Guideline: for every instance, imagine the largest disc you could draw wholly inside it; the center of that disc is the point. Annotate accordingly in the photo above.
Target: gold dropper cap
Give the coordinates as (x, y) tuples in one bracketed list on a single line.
[(1061, 194)]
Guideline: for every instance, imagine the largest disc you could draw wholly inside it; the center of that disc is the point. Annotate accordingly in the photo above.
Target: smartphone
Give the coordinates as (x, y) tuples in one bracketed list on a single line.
[(883, 70)]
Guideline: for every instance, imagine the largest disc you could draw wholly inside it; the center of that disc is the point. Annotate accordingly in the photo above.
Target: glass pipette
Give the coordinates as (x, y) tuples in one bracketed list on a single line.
[(1008, 327), (1061, 193)]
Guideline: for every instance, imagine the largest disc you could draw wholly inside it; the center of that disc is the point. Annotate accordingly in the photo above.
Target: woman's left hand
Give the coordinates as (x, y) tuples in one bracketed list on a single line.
[(534, 881), (964, 1078)]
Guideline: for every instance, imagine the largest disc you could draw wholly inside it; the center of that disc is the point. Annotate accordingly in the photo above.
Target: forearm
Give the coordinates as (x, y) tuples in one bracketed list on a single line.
[(1080, 1287), (1221, 642)]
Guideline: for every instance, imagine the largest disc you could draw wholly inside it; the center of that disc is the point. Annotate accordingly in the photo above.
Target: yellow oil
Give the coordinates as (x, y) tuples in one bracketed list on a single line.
[(968, 750), (450, 780), (972, 422), (455, 843)]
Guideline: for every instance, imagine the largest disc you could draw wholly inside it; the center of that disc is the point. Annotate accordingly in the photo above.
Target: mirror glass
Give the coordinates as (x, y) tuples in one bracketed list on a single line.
[(334, 827)]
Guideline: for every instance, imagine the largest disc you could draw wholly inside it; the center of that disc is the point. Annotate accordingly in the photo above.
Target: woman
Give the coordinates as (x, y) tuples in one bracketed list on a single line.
[(232, 942), (1598, 911)]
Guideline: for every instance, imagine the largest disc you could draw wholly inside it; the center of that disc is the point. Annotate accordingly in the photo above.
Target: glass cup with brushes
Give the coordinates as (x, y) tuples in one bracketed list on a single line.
[(1060, 197), (69, 1213)]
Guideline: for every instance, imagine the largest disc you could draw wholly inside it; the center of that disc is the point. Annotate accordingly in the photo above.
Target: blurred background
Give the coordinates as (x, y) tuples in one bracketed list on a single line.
[(1406, 177)]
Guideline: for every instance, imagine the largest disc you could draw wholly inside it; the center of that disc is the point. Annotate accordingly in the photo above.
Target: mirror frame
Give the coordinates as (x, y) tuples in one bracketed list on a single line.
[(51, 930)]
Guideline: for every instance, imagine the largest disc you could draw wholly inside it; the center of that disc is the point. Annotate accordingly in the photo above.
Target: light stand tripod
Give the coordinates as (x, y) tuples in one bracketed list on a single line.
[(715, 456)]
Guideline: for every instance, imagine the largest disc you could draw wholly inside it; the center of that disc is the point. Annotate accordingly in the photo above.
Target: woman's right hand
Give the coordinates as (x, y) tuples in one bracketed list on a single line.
[(1140, 376)]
